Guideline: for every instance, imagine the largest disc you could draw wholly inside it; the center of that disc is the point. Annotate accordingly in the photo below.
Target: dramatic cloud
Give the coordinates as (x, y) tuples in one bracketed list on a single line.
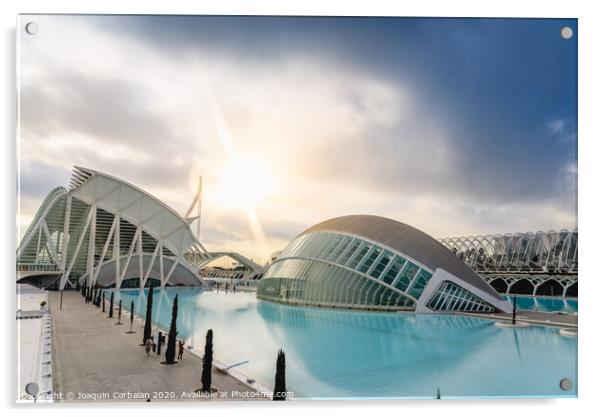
[(315, 130)]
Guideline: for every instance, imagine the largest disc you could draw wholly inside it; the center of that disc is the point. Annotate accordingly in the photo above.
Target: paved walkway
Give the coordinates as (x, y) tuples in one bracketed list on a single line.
[(563, 321), (95, 360)]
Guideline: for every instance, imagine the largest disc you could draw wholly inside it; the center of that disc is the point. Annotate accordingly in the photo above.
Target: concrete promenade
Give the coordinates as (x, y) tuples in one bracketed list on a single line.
[(95, 360), (562, 321)]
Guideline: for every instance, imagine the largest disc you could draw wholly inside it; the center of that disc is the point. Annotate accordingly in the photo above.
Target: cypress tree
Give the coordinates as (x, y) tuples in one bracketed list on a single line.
[(119, 313), (149, 316), (280, 380), (207, 362), (170, 352), (111, 305), (131, 316), (514, 310)]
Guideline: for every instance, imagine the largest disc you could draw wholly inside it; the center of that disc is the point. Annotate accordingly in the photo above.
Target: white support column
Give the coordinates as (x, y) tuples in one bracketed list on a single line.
[(66, 235), (39, 241), (127, 262), (76, 251), (91, 245), (152, 262), (161, 264), (104, 251), (574, 261), (49, 245), (173, 268), (200, 200), (117, 250), (140, 260), (552, 242)]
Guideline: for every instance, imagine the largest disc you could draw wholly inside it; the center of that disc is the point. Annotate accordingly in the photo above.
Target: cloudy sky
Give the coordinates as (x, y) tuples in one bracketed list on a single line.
[(455, 126)]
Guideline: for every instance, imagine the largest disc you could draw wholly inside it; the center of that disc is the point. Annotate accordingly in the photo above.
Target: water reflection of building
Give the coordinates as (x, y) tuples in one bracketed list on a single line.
[(404, 354), (362, 346)]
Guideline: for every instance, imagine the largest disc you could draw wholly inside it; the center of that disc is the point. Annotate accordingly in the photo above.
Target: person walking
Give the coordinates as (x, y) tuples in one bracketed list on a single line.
[(180, 349), (147, 346)]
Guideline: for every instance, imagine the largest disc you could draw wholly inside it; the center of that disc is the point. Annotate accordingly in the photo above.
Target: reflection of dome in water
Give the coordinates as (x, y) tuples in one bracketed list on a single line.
[(339, 348), (371, 262)]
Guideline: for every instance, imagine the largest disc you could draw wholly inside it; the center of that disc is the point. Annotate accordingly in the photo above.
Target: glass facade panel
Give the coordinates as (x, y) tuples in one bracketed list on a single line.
[(338, 250), (349, 252), (369, 260), (396, 265), (407, 274), (382, 264), (358, 255), (451, 297), (332, 244), (313, 282), (420, 282)]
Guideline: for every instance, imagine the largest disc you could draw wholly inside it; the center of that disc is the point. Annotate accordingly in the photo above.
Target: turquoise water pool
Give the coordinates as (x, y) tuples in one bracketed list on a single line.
[(351, 354), (549, 304)]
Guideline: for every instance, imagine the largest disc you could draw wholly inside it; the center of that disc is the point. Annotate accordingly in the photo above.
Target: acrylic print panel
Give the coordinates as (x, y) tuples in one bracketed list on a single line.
[(343, 208)]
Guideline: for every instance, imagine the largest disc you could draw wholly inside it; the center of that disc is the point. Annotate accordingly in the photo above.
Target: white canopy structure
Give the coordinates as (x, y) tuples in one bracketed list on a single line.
[(540, 263), (106, 231)]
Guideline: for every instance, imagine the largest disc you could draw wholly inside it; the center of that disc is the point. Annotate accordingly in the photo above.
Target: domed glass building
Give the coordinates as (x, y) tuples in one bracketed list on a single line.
[(375, 263)]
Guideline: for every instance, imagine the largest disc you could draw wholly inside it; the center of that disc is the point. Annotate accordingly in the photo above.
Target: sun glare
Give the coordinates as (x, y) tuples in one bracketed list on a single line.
[(244, 183)]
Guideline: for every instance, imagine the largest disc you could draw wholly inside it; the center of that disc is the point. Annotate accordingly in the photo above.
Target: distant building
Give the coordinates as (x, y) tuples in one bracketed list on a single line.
[(272, 258), (540, 263)]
